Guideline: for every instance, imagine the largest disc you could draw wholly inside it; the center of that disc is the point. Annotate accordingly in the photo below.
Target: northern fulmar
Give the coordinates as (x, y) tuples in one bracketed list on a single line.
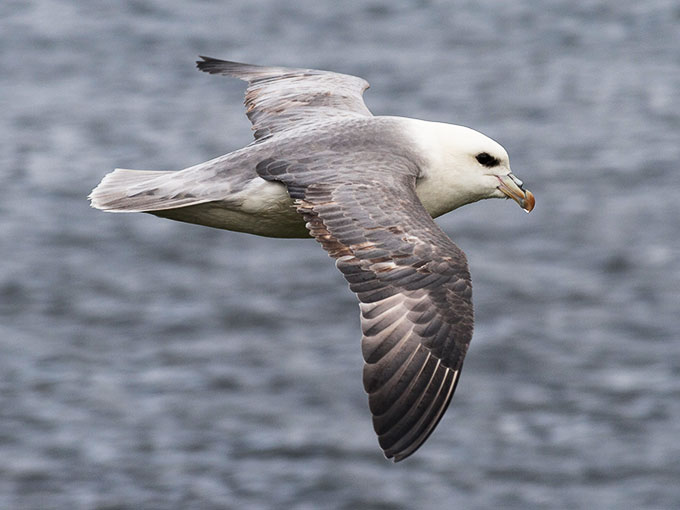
[(366, 188)]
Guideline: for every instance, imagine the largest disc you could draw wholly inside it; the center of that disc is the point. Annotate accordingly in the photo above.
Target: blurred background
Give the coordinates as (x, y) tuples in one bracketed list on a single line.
[(151, 364)]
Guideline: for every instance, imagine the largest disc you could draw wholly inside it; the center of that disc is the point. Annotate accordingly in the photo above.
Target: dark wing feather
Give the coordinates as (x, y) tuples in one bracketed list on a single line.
[(281, 98), (414, 287)]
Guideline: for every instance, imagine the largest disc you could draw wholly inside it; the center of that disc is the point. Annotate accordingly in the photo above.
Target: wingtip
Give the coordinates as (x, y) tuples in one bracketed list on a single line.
[(209, 64), (396, 458), (227, 67)]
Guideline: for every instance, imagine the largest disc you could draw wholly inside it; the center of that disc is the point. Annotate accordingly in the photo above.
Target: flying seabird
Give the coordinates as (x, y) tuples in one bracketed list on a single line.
[(366, 188)]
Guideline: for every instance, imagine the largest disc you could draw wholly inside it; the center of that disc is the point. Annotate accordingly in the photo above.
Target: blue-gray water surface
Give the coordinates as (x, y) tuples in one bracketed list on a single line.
[(147, 364)]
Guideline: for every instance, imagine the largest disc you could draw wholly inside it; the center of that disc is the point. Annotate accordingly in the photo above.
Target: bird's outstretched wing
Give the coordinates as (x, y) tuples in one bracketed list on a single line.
[(282, 98), (412, 282)]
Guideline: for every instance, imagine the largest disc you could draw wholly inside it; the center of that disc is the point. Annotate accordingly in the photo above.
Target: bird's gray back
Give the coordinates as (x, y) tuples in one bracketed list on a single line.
[(333, 149)]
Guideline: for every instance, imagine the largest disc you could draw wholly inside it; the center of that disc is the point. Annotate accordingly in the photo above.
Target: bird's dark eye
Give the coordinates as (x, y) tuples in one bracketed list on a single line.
[(487, 159)]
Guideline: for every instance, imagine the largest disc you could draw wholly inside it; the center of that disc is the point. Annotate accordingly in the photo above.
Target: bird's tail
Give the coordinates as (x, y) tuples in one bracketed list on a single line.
[(139, 191)]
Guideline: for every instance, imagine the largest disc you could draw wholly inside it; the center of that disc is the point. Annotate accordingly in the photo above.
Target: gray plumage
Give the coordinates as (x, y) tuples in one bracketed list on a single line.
[(279, 98), (365, 188), (411, 279)]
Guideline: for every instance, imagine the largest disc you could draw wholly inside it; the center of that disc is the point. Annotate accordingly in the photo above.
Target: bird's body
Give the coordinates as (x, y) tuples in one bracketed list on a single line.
[(366, 187), (228, 193)]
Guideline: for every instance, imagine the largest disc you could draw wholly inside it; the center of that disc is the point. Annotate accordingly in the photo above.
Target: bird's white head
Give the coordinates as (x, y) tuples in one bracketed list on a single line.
[(463, 166)]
